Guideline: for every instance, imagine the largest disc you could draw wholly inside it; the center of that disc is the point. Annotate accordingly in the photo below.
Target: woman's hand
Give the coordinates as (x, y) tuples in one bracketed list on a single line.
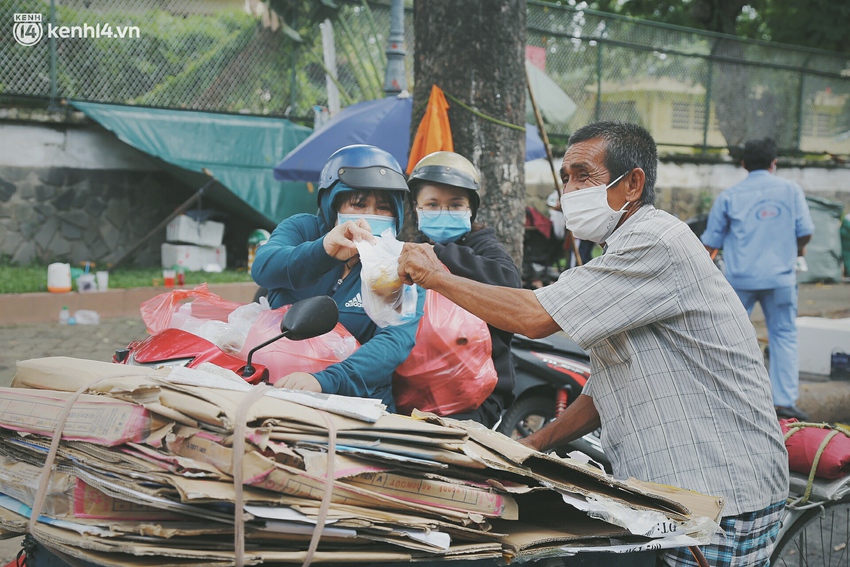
[(341, 241), (299, 381)]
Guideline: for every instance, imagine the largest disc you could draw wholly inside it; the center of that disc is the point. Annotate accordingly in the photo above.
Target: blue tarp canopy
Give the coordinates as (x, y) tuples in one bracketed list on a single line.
[(240, 152)]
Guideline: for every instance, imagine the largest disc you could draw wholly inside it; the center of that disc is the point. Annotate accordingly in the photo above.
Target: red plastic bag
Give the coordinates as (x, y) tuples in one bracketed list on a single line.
[(450, 370), (803, 445), (284, 356), (158, 311)]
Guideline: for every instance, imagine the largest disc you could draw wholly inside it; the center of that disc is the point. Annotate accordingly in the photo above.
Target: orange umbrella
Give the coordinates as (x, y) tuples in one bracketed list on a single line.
[(434, 133)]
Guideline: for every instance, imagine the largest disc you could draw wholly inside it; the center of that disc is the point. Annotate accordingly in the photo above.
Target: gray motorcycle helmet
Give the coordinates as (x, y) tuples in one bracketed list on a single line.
[(446, 168)]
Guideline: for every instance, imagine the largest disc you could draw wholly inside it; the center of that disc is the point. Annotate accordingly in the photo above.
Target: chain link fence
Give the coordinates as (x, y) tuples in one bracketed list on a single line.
[(691, 89), (223, 56), (695, 91)]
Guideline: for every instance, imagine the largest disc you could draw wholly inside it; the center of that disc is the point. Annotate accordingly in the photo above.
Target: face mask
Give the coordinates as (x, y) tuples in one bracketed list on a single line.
[(445, 227), (587, 213), (378, 223)]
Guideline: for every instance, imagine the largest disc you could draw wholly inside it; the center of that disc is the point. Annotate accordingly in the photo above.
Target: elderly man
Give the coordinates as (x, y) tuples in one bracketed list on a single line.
[(678, 384)]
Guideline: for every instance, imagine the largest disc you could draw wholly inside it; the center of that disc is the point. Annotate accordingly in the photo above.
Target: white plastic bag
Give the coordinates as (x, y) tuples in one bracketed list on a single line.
[(386, 299), (243, 317), (86, 317)]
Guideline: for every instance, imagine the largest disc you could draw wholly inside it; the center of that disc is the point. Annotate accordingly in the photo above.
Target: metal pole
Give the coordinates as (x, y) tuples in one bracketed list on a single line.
[(329, 53), (539, 119), (53, 88), (396, 79), (293, 72), (708, 88), (598, 80), (800, 93)]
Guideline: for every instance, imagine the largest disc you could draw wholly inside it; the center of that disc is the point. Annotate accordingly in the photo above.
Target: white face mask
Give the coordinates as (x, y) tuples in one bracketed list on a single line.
[(587, 213)]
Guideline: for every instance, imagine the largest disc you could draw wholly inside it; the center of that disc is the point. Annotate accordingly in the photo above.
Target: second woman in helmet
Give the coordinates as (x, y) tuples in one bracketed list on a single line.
[(444, 197)]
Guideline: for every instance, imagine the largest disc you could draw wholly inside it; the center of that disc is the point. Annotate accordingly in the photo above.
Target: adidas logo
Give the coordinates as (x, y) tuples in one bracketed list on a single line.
[(356, 301)]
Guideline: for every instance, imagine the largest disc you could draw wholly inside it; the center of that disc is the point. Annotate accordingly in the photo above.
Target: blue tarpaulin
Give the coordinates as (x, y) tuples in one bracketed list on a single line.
[(240, 151)]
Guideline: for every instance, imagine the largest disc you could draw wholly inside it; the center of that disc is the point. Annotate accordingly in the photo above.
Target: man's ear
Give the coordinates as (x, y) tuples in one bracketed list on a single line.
[(635, 181)]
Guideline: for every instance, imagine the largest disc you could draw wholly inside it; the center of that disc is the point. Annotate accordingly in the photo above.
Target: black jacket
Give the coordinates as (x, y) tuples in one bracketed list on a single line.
[(480, 256)]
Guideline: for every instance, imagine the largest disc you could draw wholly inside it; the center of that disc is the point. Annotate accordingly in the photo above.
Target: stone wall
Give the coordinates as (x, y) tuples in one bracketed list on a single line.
[(76, 215)]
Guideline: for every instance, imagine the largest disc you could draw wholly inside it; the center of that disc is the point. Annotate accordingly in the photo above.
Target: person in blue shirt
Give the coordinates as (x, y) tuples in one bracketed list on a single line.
[(763, 224), (361, 193), (444, 197)]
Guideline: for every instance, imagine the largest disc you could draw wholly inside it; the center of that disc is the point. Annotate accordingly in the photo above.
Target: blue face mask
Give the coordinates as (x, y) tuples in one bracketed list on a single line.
[(445, 227), (378, 223)]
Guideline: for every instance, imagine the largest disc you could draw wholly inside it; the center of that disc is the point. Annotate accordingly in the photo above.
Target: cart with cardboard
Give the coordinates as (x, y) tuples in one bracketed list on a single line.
[(149, 467)]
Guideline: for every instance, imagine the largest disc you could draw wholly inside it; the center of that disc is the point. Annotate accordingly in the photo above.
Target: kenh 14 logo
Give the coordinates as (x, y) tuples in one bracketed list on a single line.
[(27, 29)]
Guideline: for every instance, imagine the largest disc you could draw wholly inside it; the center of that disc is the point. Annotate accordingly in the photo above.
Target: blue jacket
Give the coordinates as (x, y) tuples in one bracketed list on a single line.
[(757, 223), (293, 265)]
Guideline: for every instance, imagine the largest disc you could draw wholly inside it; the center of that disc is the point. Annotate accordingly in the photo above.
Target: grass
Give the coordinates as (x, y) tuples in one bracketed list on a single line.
[(27, 279)]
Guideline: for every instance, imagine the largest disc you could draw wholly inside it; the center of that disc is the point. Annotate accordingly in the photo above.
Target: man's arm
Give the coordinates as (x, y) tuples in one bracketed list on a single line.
[(579, 418), (801, 244), (509, 309)]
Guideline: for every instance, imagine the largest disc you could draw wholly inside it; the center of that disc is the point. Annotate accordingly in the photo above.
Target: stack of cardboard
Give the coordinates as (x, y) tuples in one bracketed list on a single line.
[(145, 473), (193, 245)]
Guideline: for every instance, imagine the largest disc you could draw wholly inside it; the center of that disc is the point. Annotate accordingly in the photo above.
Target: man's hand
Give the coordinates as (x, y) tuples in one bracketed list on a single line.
[(299, 381), (341, 241), (418, 264), (528, 443)]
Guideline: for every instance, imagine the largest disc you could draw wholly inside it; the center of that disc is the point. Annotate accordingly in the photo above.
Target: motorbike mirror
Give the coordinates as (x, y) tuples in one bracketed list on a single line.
[(309, 318)]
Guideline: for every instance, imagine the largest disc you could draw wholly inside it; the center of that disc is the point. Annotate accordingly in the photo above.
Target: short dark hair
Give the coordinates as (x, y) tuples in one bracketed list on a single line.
[(759, 154), (627, 146)]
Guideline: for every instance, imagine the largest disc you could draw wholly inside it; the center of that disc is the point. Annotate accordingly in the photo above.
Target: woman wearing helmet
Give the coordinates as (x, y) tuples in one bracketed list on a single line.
[(444, 197), (361, 194)]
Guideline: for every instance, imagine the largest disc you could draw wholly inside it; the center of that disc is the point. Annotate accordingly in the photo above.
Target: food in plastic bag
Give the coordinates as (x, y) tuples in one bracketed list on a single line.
[(386, 300), (450, 369), (284, 356), (387, 283)]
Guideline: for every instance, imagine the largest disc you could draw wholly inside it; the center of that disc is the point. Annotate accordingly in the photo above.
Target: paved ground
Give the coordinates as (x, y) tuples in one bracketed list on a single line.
[(823, 400)]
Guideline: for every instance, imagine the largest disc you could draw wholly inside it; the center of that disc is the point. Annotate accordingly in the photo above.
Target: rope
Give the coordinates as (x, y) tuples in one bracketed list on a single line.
[(794, 428), (482, 115), (241, 419), (326, 497), (49, 466)]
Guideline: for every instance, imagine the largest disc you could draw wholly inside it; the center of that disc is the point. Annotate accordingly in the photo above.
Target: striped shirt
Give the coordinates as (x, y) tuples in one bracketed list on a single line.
[(677, 376)]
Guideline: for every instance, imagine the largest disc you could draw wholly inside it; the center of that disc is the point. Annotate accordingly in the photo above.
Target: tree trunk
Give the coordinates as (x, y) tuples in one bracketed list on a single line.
[(475, 51)]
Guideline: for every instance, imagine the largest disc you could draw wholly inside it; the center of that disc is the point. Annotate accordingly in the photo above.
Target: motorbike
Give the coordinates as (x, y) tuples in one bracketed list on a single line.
[(307, 318), (550, 374)]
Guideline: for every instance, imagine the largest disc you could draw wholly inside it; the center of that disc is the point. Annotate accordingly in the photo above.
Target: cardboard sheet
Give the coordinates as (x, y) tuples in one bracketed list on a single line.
[(157, 489)]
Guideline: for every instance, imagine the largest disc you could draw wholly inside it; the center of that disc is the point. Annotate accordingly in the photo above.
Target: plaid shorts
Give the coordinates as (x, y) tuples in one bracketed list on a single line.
[(748, 542)]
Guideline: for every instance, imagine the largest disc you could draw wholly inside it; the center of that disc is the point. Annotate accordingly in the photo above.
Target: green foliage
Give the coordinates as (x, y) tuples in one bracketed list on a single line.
[(821, 24), (33, 278)]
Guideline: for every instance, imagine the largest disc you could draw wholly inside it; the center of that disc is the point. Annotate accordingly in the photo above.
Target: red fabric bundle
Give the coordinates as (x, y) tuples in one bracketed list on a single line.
[(450, 370), (803, 446)]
